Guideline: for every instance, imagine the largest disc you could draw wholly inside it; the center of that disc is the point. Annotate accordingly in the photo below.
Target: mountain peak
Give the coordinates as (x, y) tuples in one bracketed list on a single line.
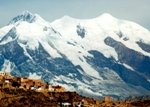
[(25, 16), (67, 18), (106, 16), (26, 12)]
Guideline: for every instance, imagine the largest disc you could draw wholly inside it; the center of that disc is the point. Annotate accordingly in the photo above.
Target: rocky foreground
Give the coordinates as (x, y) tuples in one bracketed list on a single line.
[(29, 98)]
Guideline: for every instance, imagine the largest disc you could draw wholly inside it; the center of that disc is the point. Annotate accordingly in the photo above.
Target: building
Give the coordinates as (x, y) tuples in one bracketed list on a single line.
[(50, 88), (107, 99), (66, 104), (2, 74), (58, 88)]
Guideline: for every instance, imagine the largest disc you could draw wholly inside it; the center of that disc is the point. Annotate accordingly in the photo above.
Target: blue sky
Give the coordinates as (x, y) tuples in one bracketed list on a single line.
[(133, 10)]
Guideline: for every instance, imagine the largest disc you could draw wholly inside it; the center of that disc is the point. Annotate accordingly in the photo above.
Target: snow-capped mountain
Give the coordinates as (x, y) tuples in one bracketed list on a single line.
[(95, 57)]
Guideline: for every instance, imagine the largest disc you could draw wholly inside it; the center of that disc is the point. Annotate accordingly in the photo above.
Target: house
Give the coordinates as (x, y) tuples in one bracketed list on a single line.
[(50, 88), (107, 99), (2, 73), (81, 103), (26, 83), (66, 104), (58, 88), (8, 76), (8, 82), (24, 79), (39, 88), (84, 102), (1, 84)]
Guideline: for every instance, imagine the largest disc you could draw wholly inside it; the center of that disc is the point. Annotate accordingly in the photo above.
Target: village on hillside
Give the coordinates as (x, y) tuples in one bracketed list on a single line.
[(20, 91), (6, 80)]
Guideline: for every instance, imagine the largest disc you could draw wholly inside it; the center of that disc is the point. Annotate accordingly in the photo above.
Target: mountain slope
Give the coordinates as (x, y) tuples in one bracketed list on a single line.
[(95, 57)]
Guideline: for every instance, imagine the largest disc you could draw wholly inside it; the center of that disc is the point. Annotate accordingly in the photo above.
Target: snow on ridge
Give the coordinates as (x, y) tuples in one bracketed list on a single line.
[(28, 17), (128, 67), (4, 30), (101, 27), (104, 16), (7, 66), (34, 34), (24, 16)]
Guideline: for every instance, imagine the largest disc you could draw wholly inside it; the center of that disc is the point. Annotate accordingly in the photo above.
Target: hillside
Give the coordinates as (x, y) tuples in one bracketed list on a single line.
[(29, 98), (17, 92)]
